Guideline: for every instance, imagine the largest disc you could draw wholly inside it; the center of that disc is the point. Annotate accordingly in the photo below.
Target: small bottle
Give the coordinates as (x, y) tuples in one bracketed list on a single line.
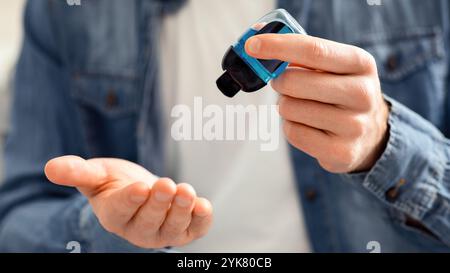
[(246, 73)]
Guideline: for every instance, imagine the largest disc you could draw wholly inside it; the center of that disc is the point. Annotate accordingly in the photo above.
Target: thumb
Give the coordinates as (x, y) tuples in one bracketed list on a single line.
[(74, 171)]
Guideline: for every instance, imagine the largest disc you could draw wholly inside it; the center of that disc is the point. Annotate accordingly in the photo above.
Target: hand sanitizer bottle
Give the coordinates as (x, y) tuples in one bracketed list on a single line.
[(246, 73)]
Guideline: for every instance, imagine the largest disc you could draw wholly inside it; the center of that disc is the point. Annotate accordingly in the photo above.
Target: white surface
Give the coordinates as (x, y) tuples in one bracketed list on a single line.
[(255, 201)]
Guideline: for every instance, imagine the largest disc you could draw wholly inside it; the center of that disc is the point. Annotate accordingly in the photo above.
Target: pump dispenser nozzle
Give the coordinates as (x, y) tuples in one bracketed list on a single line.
[(228, 85)]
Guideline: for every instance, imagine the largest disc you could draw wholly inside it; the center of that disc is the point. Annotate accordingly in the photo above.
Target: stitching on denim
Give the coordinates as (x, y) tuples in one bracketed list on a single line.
[(396, 109), (397, 35)]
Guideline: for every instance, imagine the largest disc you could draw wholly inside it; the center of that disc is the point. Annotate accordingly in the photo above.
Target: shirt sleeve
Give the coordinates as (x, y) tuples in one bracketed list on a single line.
[(413, 173), (36, 215)]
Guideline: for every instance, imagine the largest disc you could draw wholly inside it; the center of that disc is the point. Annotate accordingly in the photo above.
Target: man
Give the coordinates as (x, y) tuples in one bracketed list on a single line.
[(367, 166)]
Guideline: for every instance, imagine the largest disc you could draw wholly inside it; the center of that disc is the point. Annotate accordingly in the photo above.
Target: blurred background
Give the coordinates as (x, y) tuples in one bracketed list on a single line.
[(10, 40)]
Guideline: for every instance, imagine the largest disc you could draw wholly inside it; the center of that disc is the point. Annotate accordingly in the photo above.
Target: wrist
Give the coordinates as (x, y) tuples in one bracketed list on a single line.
[(381, 140)]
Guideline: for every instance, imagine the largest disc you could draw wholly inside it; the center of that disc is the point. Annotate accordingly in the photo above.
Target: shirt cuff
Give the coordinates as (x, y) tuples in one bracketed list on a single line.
[(408, 173)]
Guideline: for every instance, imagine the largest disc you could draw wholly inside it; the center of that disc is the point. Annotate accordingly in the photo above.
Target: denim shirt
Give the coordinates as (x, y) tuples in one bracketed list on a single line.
[(87, 84)]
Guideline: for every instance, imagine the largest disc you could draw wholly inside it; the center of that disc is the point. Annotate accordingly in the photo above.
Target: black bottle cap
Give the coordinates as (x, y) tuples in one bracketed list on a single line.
[(228, 85)]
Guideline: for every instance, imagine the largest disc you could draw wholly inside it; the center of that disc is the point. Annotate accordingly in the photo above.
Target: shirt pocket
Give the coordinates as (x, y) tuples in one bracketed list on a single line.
[(412, 68), (108, 107)]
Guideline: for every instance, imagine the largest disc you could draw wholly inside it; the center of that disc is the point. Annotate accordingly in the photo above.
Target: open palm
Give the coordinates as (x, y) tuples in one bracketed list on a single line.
[(131, 202)]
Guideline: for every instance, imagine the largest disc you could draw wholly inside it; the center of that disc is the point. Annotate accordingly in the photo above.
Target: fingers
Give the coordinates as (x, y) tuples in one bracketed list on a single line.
[(152, 214), (119, 207), (148, 214), (179, 216), (76, 172), (173, 216), (311, 52), (201, 218), (312, 141), (346, 91), (314, 114), (192, 223)]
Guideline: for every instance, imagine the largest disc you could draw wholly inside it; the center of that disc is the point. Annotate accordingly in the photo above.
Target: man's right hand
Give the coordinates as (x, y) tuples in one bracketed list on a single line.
[(129, 201)]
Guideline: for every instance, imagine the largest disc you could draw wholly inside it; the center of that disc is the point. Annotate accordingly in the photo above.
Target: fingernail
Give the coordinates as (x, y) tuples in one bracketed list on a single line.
[(183, 202), (162, 197), (76, 164), (138, 198), (254, 45)]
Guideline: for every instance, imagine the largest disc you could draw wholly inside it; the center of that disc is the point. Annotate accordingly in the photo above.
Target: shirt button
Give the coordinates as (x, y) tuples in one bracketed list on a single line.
[(111, 99), (311, 195), (392, 63), (393, 193)]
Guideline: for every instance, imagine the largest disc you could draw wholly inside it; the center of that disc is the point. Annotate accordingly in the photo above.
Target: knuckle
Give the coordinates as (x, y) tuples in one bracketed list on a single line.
[(357, 126), (347, 157), (364, 92), (366, 60), (319, 49)]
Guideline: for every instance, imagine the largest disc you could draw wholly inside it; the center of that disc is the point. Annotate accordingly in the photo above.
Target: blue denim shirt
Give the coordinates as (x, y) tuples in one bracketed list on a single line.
[(87, 84)]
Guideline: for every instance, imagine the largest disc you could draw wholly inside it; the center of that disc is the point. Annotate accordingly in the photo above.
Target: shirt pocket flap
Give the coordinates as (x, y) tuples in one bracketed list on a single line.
[(109, 95), (401, 53)]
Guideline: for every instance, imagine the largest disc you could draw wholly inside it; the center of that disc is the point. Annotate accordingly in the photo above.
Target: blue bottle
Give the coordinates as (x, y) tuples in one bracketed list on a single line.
[(246, 73)]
